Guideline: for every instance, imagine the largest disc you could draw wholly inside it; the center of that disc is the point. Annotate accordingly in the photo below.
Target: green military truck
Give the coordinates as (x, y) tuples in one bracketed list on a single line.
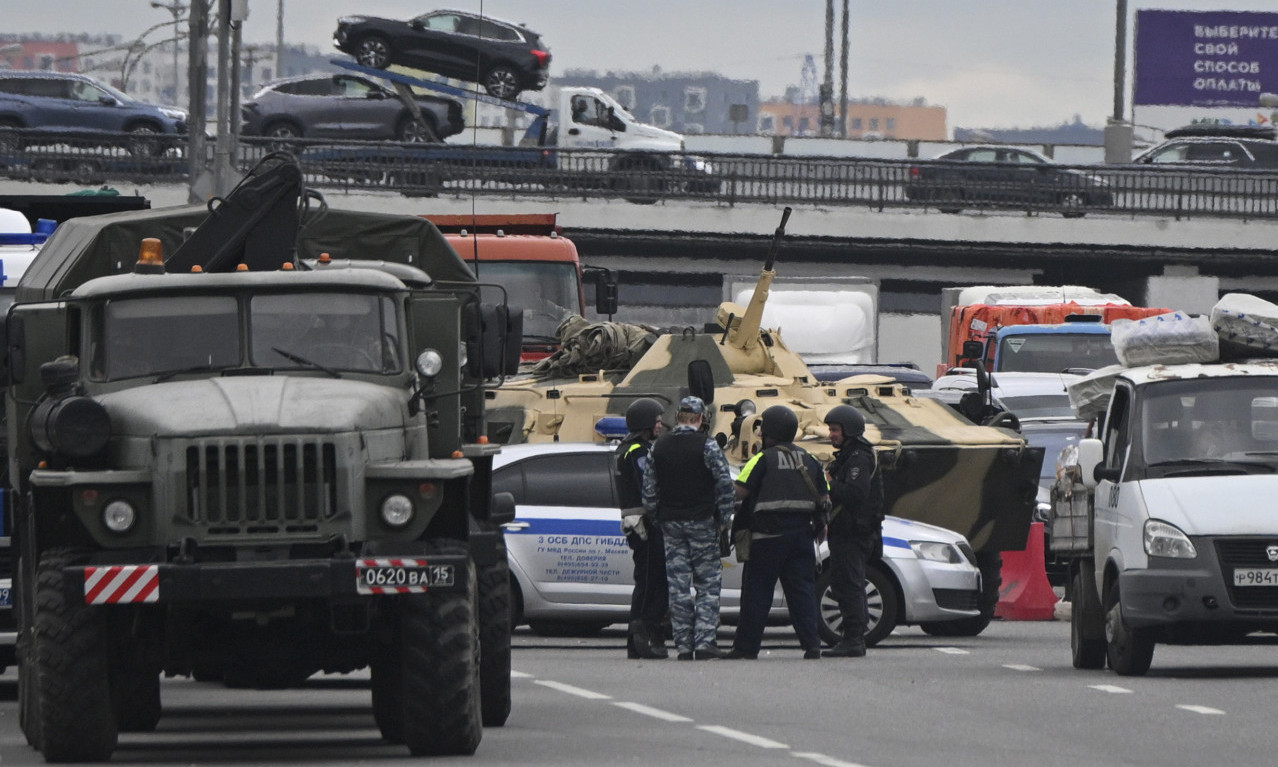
[(255, 459)]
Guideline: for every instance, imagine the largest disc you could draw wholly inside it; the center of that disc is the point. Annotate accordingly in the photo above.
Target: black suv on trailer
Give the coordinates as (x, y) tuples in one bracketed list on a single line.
[(504, 58)]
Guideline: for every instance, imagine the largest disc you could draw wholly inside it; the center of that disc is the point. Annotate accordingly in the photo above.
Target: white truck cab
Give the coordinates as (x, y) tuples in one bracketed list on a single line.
[(1167, 516), (591, 119)]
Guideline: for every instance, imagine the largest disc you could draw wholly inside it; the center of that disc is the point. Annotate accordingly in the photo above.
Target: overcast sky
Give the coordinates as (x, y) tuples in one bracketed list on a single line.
[(991, 63)]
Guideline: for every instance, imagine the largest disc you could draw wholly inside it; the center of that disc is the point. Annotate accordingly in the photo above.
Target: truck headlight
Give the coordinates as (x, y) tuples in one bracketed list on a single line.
[(119, 516), (397, 510), (429, 363), (1164, 540), (936, 551)]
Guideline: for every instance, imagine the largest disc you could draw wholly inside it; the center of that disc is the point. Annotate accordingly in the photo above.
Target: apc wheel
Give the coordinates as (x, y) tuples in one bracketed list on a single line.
[(373, 51), (881, 607), (1130, 651), (502, 82), (135, 696), (440, 663), (413, 132), (494, 640), (1086, 621), (72, 670)]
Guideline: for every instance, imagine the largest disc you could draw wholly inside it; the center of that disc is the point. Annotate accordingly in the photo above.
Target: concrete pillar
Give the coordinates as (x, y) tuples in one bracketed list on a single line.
[(1184, 289), (1118, 142)]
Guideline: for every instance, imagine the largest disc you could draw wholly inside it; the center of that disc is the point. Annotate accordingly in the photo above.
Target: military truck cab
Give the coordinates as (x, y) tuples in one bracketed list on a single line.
[(1166, 515)]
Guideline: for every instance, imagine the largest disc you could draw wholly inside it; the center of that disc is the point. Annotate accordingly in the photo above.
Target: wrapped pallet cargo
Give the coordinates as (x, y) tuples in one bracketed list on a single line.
[(1166, 339), (1247, 326)]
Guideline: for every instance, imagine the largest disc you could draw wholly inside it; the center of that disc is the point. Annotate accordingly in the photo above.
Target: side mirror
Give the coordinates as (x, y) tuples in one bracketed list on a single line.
[(605, 289), (502, 509), (1090, 454), (494, 349), (973, 350)]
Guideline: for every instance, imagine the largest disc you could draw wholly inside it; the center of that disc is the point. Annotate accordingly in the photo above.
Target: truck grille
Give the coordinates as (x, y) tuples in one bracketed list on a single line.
[(1247, 552), (248, 486)]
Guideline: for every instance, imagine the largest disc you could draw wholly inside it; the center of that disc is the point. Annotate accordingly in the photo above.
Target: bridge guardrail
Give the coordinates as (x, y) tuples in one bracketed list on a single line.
[(878, 184)]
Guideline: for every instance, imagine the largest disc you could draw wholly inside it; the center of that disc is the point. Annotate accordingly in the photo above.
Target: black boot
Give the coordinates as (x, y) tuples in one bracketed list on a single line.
[(640, 644), (846, 648)]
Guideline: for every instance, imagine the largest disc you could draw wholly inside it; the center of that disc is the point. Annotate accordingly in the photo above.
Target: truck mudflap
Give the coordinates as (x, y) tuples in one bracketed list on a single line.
[(112, 584)]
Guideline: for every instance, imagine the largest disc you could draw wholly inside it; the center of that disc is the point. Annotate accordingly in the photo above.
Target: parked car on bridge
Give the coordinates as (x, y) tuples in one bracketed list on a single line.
[(572, 571), (1211, 147), (1004, 176), (503, 57), (40, 107), (345, 106)]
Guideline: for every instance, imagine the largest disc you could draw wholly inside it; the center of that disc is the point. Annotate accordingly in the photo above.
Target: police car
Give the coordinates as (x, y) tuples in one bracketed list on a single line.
[(571, 569)]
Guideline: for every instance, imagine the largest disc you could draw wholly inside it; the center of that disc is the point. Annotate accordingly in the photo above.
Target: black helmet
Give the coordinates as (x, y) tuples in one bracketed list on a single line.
[(849, 418), (780, 423), (643, 414)]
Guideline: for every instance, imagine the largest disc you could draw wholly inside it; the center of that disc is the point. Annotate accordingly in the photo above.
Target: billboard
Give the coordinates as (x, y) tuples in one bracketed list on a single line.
[(1205, 58)]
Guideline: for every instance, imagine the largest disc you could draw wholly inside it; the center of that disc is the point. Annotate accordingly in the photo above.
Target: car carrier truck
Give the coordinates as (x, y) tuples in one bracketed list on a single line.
[(238, 453)]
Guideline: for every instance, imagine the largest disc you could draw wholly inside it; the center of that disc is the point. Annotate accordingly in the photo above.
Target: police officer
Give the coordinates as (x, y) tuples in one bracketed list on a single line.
[(856, 523), (784, 494), (649, 600), (688, 488)]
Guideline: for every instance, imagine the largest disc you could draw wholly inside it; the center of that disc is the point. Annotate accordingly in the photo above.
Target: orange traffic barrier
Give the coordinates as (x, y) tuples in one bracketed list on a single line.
[(1026, 594)]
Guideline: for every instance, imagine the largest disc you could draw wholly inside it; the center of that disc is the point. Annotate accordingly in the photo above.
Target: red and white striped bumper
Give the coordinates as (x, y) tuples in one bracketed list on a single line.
[(121, 584)]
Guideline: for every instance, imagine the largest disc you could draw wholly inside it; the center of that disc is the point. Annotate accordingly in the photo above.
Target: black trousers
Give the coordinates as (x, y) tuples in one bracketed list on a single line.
[(650, 599), (790, 557), (849, 553)]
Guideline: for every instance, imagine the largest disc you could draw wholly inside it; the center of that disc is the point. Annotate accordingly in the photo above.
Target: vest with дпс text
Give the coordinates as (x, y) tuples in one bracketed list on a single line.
[(775, 477), (685, 485)]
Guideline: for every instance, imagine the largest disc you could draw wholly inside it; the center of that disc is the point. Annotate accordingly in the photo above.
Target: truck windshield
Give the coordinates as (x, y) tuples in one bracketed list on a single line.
[(150, 336), (1054, 352), (1210, 419), (339, 331), (546, 291)]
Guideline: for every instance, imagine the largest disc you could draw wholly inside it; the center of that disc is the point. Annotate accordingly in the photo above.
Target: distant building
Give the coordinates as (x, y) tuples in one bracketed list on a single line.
[(1073, 133), (684, 102), (867, 119)]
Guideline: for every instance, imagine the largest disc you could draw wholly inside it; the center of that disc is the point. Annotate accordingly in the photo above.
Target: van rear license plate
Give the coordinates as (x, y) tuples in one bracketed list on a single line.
[(6, 597), (1256, 576), (400, 576)]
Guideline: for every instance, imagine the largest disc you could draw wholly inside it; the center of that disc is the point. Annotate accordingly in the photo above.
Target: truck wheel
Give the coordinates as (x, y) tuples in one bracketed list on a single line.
[(881, 605), (1130, 650), (135, 695), (1086, 621), (494, 640), (71, 667), (388, 687), (439, 635), (638, 183), (28, 697)]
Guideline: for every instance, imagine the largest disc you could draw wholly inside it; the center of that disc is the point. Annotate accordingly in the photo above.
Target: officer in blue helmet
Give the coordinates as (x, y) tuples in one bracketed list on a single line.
[(784, 499), (687, 487), (649, 600), (856, 523)]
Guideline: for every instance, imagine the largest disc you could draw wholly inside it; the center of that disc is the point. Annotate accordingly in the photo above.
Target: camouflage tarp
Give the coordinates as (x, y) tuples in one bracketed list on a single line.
[(588, 347)]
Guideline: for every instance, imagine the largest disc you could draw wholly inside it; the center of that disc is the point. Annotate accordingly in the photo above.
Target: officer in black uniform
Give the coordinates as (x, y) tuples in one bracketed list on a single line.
[(856, 523), (649, 601), (785, 496)]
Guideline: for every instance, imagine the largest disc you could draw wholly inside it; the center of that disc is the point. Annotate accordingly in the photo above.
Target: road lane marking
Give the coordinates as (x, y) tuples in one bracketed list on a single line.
[(1109, 688), (952, 650), (744, 737), (1021, 667), (1200, 709), (519, 675), (828, 761), (657, 713), (579, 692)]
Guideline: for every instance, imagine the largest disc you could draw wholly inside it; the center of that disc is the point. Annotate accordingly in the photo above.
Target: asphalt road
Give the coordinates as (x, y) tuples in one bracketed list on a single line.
[(1007, 697)]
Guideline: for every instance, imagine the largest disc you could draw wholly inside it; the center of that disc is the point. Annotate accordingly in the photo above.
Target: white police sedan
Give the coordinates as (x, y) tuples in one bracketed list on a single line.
[(572, 572)]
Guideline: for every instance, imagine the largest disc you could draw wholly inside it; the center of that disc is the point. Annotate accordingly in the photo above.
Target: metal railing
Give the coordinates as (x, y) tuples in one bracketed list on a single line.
[(877, 184)]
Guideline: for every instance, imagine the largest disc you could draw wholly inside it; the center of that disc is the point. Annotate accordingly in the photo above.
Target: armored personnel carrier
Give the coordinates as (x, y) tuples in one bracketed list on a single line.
[(939, 467)]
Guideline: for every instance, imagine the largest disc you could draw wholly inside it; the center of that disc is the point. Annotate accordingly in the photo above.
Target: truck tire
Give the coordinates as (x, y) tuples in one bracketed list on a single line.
[(638, 182), (72, 671), (28, 695), (388, 687), (439, 635), (881, 603), (1086, 621), (494, 640), (1130, 651)]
